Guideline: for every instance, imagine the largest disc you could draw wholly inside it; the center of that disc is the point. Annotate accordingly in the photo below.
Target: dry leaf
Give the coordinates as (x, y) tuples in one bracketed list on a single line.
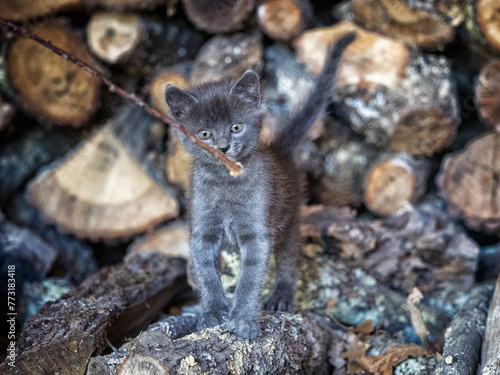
[(364, 328), (417, 320), (383, 364)]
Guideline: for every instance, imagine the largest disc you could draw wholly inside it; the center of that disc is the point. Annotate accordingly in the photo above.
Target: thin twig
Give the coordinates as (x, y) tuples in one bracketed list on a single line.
[(234, 167)]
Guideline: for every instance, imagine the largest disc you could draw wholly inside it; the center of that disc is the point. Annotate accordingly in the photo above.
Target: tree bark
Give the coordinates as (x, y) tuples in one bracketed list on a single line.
[(490, 355), (115, 303), (218, 16), (49, 86), (394, 182), (463, 338), (469, 182), (289, 344)]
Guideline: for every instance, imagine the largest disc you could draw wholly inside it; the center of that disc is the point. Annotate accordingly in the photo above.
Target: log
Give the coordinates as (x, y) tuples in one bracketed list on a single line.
[(468, 181), (6, 113), (25, 154), (487, 93), (488, 267), (218, 16), (487, 15), (462, 347), (490, 364), (283, 20), (139, 44), (174, 76), (124, 5), (179, 164), (49, 86), (102, 191), (115, 303), (290, 344), (406, 102), (394, 182), (75, 259), (393, 18), (21, 10), (227, 57)]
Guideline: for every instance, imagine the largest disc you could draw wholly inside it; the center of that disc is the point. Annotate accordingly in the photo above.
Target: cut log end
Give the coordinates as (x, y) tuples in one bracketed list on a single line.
[(113, 37), (17, 10), (469, 182), (172, 240), (218, 16), (488, 17), (48, 85), (142, 365), (280, 19), (101, 192), (393, 184), (488, 94), (158, 85)]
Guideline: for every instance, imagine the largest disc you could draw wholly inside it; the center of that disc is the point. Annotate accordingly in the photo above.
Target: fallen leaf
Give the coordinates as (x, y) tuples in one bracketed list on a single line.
[(383, 364)]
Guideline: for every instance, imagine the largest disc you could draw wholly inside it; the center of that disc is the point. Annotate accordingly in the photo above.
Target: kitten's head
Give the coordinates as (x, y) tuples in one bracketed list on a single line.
[(225, 115)]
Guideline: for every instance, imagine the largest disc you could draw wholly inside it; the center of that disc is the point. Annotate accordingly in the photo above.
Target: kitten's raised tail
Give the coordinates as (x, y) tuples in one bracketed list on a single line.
[(289, 138)]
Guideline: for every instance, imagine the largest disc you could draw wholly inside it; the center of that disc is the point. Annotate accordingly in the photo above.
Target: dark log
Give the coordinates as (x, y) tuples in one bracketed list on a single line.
[(468, 181), (395, 19), (139, 44), (115, 303), (283, 20), (6, 113), (488, 268), (218, 16), (124, 5), (396, 99), (18, 10), (103, 190), (490, 364), (290, 344), (462, 348), (394, 182), (488, 93), (49, 86), (228, 56), (75, 259), (23, 156)]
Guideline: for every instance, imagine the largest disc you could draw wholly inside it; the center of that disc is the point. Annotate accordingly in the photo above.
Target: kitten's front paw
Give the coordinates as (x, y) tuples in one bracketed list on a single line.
[(211, 319), (280, 300), (244, 328)]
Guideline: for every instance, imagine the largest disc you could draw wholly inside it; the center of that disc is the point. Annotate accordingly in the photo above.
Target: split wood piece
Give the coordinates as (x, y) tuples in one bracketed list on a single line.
[(228, 56), (115, 303), (394, 182), (124, 5), (395, 19), (171, 240), (49, 86), (218, 16), (75, 259), (397, 99), (464, 336), (488, 17), (488, 94), (18, 10), (6, 113), (22, 157), (31, 255), (283, 20), (101, 192), (469, 182), (141, 43), (290, 344), (490, 354), (337, 164)]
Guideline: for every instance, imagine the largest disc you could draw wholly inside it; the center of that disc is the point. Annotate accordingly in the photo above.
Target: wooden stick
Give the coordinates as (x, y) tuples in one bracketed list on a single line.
[(234, 168)]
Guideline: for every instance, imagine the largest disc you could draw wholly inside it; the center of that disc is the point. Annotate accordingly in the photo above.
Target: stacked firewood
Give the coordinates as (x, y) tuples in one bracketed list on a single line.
[(403, 185)]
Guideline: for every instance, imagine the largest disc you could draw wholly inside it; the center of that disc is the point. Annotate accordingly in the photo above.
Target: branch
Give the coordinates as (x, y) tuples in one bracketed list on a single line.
[(234, 168)]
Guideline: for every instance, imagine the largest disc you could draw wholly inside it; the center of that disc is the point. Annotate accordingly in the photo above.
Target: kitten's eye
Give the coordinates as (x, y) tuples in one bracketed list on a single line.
[(204, 134), (236, 128)]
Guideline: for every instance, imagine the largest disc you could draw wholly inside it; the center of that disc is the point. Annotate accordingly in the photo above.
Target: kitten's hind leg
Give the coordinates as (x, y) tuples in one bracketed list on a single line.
[(282, 297)]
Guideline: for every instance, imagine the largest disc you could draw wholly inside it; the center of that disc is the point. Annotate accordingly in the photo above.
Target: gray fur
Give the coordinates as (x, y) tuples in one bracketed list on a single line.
[(256, 212)]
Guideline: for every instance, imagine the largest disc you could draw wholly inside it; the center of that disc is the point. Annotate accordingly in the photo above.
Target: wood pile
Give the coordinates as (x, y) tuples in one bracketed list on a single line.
[(401, 222)]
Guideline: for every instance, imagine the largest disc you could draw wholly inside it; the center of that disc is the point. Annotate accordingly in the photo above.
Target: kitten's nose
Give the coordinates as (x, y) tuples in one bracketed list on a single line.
[(223, 144)]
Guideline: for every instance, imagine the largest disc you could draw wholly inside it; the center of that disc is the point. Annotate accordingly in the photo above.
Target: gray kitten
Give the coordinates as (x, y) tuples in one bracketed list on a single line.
[(256, 212)]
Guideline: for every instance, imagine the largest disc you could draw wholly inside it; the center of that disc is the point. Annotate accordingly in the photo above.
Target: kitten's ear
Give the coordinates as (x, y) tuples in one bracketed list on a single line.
[(248, 87), (178, 101)]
